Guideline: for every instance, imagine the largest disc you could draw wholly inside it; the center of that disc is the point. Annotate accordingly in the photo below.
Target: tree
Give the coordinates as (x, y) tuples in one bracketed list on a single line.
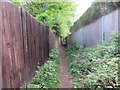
[(17, 2), (57, 15)]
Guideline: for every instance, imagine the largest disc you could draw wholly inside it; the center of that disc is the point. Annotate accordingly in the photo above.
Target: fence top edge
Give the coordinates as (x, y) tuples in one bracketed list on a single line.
[(23, 9), (31, 15)]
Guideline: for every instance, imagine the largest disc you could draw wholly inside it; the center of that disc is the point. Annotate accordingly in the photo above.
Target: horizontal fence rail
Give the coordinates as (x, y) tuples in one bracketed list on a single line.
[(26, 43)]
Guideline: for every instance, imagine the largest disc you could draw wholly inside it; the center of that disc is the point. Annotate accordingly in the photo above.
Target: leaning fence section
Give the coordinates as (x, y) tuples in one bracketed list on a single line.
[(26, 43)]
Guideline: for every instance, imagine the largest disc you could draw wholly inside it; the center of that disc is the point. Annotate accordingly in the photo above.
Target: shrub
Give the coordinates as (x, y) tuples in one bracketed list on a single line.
[(95, 66), (47, 75)]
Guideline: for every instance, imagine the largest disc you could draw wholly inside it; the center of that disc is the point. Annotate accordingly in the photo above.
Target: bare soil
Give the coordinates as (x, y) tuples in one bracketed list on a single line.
[(65, 78)]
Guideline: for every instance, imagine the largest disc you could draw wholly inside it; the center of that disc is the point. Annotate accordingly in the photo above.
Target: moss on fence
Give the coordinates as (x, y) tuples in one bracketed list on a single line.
[(97, 10)]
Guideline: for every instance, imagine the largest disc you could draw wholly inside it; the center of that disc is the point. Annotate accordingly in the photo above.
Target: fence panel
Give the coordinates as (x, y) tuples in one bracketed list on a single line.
[(25, 43), (96, 32)]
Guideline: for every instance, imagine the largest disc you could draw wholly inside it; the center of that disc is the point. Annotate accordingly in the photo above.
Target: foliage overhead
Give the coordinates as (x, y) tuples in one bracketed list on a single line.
[(57, 15)]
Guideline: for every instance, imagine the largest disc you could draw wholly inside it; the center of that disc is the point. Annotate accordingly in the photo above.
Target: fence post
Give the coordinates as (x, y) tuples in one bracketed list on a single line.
[(0, 45)]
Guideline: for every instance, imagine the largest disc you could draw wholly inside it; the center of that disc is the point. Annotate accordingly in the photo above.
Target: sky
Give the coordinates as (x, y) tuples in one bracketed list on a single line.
[(83, 5)]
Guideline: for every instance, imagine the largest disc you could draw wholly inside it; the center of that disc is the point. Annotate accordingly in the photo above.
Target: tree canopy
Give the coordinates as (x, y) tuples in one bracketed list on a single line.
[(57, 15)]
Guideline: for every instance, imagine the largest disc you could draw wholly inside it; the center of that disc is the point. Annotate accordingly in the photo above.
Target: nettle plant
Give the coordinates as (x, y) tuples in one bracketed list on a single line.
[(95, 66)]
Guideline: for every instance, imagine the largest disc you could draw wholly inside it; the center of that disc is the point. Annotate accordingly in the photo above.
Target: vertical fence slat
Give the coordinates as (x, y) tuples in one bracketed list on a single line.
[(41, 32), (25, 47), (40, 44), (17, 43), (47, 42), (7, 47), (1, 44), (28, 45)]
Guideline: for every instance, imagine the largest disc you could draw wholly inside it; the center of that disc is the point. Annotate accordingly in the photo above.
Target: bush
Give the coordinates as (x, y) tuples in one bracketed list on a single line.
[(47, 75), (95, 66)]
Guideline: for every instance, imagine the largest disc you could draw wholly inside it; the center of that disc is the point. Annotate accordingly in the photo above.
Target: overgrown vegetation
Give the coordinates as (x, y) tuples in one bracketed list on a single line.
[(47, 75), (57, 15), (95, 67), (97, 10)]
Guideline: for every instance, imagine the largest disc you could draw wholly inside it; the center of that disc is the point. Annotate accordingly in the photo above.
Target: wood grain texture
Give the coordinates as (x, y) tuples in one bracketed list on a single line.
[(0, 45), (25, 45)]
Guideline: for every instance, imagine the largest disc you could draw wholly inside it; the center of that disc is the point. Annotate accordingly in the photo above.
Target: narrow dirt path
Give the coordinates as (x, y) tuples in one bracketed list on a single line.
[(65, 79)]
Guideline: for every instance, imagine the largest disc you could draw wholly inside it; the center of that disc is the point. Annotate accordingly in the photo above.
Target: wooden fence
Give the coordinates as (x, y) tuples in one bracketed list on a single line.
[(25, 44)]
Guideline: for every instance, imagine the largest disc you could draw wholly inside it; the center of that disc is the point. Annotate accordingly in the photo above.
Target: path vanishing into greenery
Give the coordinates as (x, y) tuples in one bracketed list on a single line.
[(65, 78)]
